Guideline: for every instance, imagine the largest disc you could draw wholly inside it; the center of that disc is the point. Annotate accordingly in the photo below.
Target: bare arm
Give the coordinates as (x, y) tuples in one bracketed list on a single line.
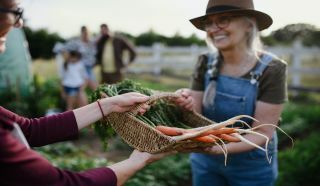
[(137, 160), (90, 113)]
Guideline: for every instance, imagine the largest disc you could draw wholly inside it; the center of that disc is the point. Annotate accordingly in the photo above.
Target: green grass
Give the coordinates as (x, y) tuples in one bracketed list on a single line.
[(159, 83), (47, 69)]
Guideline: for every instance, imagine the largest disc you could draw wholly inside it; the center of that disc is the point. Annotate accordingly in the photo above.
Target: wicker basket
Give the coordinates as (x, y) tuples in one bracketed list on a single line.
[(143, 137)]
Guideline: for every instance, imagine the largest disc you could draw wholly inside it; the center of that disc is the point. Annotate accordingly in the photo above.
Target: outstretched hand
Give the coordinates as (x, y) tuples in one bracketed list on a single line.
[(137, 160), (146, 158), (125, 102)]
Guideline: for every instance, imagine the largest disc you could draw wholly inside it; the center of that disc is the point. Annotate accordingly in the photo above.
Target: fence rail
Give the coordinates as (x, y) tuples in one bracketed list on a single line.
[(158, 57)]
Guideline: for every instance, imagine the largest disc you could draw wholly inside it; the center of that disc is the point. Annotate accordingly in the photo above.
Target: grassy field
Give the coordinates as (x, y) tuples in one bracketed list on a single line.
[(47, 69)]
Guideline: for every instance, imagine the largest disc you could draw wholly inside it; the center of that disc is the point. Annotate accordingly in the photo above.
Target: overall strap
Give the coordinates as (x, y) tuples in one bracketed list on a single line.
[(264, 61), (212, 65)]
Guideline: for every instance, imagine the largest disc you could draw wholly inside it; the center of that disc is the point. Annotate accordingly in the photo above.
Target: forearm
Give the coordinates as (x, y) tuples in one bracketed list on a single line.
[(239, 147), (22, 166), (137, 160), (197, 96), (121, 103), (44, 130), (265, 113), (91, 113), (244, 147), (125, 169), (198, 107)]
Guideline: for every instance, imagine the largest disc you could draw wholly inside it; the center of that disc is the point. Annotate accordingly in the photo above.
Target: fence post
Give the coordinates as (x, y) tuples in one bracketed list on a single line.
[(157, 58), (194, 50), (296, 63)]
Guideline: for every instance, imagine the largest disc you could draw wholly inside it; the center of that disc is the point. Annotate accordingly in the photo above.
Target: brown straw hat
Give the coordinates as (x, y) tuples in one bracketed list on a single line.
[(242, 7)]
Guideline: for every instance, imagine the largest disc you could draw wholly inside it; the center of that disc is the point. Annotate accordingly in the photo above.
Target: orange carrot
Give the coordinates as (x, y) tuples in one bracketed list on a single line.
[(206, 139), (213, 131), (229, 138), (170, 131), (219, 131)]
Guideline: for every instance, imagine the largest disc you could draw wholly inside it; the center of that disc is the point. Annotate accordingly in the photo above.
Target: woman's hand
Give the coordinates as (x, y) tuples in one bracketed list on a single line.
[(214, 150), (145, 158), (125, 102), (91, 113), (137, 160), (186, 100)]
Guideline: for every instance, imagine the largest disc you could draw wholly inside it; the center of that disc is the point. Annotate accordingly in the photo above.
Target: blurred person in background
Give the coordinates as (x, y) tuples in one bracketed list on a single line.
[(88, 51), (74, 77), (237, 77), (20, 165), (111, 53)]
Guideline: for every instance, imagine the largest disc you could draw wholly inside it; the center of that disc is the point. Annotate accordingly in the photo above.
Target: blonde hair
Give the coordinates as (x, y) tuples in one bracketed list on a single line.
[(254, 42)]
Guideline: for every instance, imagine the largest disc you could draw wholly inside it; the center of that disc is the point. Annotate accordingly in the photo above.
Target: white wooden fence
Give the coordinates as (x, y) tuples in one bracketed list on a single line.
[(158, 57)]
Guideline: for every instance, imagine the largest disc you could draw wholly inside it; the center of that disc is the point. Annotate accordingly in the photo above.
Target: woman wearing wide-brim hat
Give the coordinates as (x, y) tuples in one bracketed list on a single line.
[(236, 78)]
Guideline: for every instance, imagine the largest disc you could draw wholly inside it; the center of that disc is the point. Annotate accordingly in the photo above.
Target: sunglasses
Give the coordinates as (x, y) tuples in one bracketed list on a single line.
[(17, 13)]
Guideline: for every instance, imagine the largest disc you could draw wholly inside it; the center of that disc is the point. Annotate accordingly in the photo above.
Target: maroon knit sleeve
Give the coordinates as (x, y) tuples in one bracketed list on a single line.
[(22, 166), (45, 130)]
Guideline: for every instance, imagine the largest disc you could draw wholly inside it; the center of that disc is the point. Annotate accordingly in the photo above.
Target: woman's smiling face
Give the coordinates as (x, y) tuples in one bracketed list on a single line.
[(8, 20), (227, 31)]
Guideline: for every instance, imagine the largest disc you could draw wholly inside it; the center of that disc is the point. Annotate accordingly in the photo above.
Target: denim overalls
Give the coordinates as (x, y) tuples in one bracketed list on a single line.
[(235, 96)]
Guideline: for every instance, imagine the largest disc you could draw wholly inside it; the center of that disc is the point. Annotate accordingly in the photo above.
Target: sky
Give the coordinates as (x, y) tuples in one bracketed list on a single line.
[(166, 17)]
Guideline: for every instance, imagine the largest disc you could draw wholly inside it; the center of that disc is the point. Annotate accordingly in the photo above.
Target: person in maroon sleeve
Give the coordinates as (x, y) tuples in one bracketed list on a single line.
[(19, 165)]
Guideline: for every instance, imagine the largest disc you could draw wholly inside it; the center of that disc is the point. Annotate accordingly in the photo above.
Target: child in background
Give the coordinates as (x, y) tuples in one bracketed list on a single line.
[(73, 79)]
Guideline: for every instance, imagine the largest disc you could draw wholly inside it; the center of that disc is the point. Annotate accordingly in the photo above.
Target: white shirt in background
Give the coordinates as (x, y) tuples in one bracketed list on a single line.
[(74, 76)]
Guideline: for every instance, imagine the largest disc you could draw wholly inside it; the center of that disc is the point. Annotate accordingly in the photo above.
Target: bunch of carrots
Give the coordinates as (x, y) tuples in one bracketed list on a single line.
[(210, 136), (219, 134)]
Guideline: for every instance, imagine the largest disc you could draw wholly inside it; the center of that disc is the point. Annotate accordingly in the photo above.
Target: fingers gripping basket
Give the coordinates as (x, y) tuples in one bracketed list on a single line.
[(143, 137)]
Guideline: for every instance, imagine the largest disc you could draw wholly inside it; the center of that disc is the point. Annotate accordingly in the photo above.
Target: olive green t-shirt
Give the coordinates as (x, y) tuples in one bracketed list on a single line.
[(272, 83)]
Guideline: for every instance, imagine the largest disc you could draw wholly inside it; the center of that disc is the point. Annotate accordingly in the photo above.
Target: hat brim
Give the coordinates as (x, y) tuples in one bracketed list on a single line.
[(263, 19)]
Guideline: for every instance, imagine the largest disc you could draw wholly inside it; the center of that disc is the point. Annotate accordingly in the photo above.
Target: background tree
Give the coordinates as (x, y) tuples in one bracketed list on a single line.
[(178, 40), (41, 42), (308, 34), (148, 38)]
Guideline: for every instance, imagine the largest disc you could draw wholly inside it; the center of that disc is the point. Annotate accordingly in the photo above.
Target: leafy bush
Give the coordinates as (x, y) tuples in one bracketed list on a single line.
[(41, 42), (67, 156), (310, 113), (151, 37), (41, 97), (298, 120), (289, 33), (173, 171), (12, 101), (300, 165)]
